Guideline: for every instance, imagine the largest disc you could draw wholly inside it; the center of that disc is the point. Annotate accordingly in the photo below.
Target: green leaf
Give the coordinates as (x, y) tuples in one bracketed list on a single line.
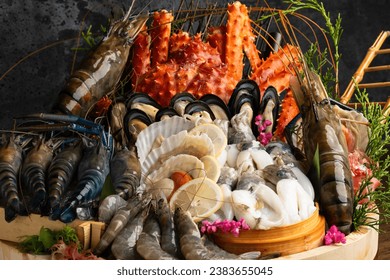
[(316, 162), (46, 236)]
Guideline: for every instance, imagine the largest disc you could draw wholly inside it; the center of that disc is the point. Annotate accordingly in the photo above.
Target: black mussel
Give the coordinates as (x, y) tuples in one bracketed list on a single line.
[(134, 122), (217, 105), (165, 112), (143, 102), (180, 100), (244, 87), (241, 99), (270, 107), (198, 106)]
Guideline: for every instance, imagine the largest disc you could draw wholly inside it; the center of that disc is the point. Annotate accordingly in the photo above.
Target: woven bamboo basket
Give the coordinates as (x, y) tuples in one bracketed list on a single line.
[(291, 239)]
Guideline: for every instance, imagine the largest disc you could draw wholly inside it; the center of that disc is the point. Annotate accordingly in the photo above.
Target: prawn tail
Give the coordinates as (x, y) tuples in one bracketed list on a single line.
[(12, 209)]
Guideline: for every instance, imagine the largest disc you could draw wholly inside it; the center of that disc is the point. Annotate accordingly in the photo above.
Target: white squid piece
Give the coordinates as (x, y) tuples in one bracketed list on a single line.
[(245, 206), (304, 181), (261, 158), (274, 213), (244, 162), (297, 202)]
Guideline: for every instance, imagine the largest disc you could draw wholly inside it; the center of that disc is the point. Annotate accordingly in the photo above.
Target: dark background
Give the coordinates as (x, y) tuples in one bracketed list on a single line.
[(27, 26)]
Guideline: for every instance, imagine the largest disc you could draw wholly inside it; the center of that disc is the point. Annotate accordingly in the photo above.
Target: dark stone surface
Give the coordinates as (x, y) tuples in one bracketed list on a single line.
[(30, 25)]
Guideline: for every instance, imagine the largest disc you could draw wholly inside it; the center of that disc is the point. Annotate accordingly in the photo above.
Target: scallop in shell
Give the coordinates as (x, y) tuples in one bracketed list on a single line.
[(182, 162), (160, 130), (180, 143)]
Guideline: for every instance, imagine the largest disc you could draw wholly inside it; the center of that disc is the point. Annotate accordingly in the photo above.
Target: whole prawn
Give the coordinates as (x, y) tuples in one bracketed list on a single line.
[(322, 132), (148, 244), (62, 171), (101, 70), (10, 163), (92, 172), (34, 171), (120, 219), (194, 247), (125, 171), (124, 245), (169, 242)]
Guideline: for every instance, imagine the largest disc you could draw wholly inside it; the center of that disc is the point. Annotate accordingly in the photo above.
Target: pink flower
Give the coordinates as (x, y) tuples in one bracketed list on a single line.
[(264, 137), (225, 226), (334, 236)]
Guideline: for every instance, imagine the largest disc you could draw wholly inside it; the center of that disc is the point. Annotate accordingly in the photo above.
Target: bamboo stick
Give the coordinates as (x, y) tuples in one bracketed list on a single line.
[(374, 85), (359, 74), (377, 68)]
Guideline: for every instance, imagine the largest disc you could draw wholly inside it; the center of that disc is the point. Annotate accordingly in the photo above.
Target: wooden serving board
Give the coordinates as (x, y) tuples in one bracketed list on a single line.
[(28, 225), (360, 245)]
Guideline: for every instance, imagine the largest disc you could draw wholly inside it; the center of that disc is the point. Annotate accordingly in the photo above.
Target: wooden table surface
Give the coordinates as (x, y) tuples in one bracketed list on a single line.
[(384, 243)]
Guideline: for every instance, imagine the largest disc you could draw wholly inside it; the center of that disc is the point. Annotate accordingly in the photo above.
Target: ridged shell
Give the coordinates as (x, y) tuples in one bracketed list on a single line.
[(181, 143), (183, 162), (161, 129)]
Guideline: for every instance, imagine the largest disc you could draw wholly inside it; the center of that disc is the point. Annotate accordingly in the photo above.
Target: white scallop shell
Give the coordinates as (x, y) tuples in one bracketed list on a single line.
[(183, 162), (180, 143), (159, 130)]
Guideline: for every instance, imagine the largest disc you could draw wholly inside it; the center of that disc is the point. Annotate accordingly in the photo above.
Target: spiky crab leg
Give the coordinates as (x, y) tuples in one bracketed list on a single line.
[(249, 46), (141, 55), (160, 33), (234, 40)]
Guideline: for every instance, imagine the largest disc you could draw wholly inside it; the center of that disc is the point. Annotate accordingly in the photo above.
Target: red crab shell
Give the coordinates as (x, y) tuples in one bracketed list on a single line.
[(190, 64), (193, 66)]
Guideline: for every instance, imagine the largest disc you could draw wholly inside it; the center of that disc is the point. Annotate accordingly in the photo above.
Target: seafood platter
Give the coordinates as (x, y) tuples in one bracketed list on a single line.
[(219, 143)]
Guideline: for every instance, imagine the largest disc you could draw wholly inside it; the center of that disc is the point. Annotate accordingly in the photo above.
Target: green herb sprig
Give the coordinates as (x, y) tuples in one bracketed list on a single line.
[(378, 152), (318, 59), (40, 244)]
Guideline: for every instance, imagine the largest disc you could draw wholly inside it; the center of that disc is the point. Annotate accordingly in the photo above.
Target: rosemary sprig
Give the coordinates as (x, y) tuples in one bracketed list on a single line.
[(378, 152), (316, 61), (335, 31)]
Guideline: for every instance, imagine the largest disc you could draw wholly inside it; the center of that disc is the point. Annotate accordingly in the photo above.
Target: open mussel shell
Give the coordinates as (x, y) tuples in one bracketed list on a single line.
[(199, 106), (270, 106), (143, 102), (217, 105), (246, 98), (165, 112), (248, 88), (180, 100), (134, 122)]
